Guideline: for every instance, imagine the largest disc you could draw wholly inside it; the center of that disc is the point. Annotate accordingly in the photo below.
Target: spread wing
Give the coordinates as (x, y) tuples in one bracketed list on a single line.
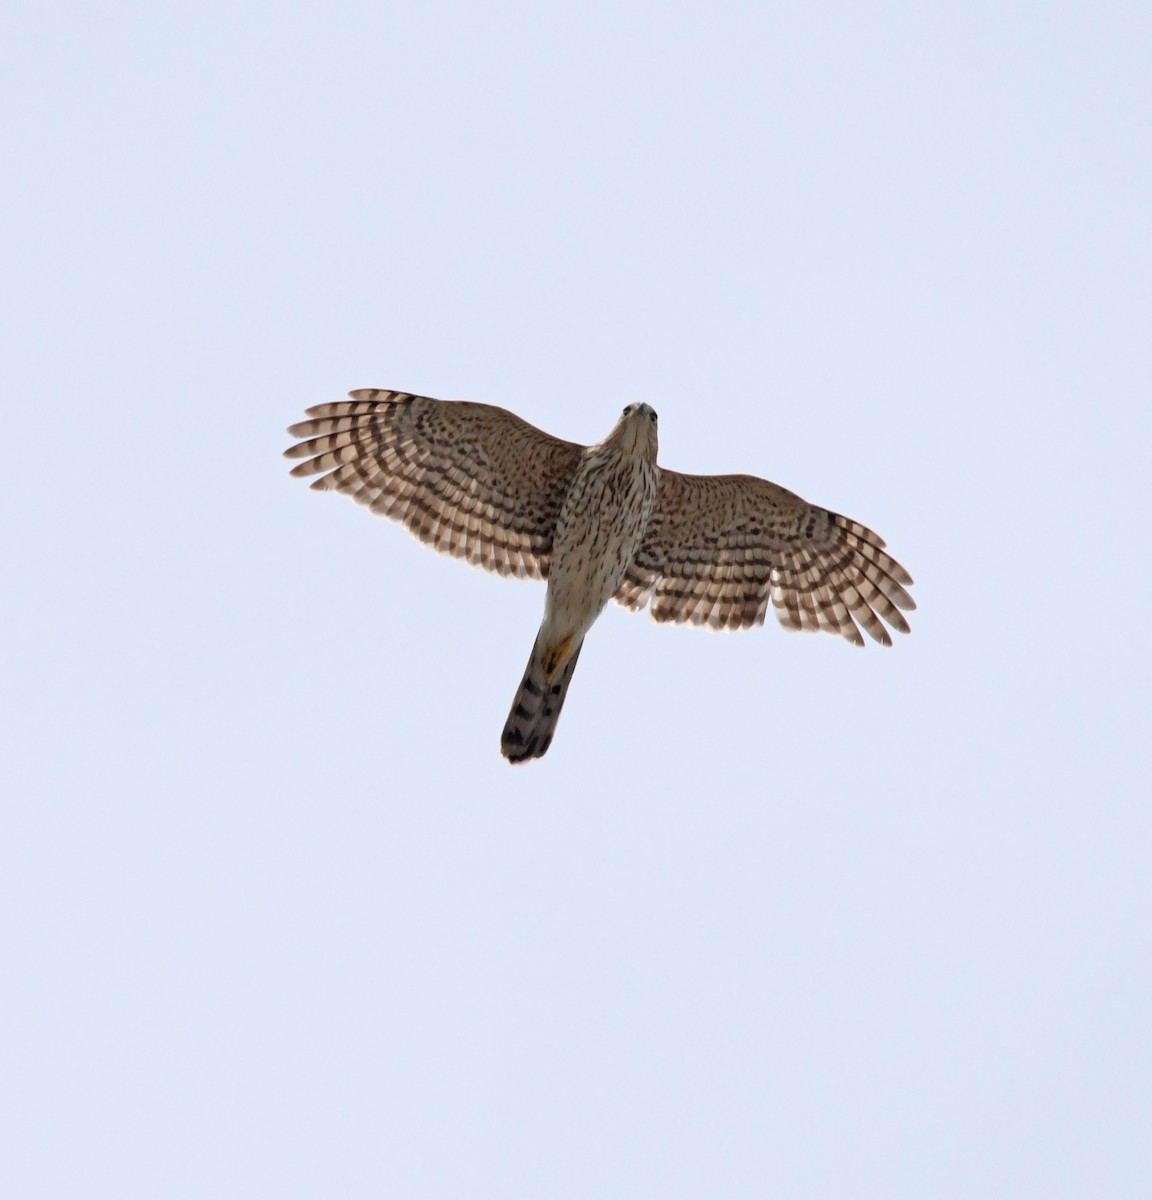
[(469, 479), (719, 548)]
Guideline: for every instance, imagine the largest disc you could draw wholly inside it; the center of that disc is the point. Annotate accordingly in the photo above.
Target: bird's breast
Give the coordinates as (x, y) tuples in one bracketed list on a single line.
[(601, 523)]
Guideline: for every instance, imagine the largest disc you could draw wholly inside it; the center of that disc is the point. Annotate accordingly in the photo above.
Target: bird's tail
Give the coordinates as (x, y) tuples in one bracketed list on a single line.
[(536, 709)]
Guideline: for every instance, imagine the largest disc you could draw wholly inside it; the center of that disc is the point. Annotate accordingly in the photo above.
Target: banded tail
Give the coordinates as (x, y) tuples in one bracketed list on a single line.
[(536, 709)]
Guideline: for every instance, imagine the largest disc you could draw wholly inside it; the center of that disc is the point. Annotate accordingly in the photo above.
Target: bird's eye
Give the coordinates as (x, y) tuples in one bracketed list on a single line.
[(652, 415), (627, 409)]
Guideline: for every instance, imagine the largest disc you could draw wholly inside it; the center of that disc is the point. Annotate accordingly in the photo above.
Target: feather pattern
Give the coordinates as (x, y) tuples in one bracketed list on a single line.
[(719, 550), (471, 480)]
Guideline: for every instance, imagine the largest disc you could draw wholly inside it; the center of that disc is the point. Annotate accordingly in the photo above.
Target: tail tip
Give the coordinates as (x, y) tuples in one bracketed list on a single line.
[(516, 749)]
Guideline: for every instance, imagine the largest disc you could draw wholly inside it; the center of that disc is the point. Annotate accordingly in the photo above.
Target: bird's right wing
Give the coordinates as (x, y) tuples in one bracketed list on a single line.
[(469, 479)]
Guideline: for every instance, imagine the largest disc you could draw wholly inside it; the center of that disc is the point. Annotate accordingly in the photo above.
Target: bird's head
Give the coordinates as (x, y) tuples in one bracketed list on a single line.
[(635, 432)]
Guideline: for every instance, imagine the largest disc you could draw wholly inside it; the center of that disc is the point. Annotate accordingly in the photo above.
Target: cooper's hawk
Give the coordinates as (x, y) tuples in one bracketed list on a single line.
[(599, 522)]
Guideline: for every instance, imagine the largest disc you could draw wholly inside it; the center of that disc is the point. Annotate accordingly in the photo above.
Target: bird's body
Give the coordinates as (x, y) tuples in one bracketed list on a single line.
[(599, 523)]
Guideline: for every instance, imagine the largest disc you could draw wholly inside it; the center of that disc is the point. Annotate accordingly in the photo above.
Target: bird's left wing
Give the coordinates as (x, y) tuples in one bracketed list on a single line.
[(718, 549), (469, 479)]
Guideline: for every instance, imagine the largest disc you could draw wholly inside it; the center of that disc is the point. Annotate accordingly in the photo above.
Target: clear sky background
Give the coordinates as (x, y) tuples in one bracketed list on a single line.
[(774, 917)]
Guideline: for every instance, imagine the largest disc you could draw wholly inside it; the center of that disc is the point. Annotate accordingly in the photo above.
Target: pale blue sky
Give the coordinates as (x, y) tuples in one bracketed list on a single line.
[(774, 917)]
